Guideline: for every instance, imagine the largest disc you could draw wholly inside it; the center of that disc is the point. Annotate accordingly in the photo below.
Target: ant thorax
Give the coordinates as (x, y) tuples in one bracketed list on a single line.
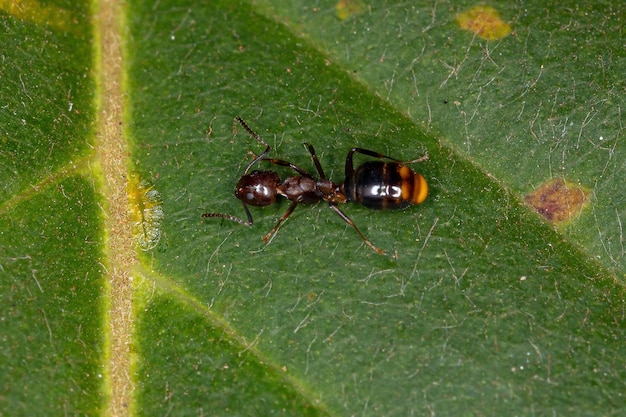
[(300, 189)]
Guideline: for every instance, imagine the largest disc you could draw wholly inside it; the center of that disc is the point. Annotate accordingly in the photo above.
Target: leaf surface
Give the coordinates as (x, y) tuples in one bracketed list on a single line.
[(480, 307)]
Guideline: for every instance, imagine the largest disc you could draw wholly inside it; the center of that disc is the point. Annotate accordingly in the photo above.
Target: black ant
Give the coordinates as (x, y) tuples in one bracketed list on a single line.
[(375, 184)]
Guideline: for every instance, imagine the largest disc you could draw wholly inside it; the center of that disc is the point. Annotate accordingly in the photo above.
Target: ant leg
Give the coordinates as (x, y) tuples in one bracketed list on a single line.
[(275, 161), (316, 161), (233, 218), (288, 164), (350, 165), (351, 223), (381, 156), (296, 168), (272, 232)]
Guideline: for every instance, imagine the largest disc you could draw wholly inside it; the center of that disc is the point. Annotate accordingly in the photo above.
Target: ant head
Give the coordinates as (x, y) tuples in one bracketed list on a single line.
[(258, 188)]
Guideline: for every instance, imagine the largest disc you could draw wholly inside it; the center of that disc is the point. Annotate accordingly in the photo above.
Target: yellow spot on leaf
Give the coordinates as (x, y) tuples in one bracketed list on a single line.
[(558, 200), (348, 8), (146, 212), (41, 14), (485, 22)]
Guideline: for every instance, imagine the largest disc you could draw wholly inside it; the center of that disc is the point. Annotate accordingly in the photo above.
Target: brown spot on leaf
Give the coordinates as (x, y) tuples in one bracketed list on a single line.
[(558, 200), (485, 22), (345, 9)]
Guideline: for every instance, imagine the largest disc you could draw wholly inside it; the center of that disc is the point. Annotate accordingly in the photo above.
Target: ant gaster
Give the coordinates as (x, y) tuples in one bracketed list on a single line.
[(375, 184)]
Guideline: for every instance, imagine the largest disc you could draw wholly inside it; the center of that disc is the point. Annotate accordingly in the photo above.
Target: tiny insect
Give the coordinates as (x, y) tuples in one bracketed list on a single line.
[(376, 184)]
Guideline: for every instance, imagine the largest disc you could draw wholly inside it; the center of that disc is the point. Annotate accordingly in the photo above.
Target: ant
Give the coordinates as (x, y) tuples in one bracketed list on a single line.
[(375, 184)]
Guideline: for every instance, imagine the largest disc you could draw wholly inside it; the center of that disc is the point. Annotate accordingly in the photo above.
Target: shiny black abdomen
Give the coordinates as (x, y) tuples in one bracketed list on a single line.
[(380, 185)]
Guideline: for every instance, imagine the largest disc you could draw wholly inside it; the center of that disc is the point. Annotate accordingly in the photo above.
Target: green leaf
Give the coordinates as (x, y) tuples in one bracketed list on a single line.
[(52, 294), (480, 306)]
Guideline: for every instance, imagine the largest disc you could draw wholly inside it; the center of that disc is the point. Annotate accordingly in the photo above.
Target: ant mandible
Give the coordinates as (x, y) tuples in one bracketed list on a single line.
[(375, 184)]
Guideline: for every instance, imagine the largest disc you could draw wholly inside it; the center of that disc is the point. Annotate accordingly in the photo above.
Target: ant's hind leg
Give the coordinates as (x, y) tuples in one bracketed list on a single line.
[(381, 156), (350, 165), (356, 229)]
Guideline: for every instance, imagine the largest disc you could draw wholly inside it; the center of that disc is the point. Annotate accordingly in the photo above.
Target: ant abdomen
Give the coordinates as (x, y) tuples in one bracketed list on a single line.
[(385, 186)]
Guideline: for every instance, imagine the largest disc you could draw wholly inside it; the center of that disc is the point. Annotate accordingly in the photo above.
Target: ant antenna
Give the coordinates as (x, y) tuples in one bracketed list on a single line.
[(259, 139)]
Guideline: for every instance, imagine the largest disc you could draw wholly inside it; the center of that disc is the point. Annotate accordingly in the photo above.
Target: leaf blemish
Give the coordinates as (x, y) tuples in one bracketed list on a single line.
[(345, 9), (485, 22), (146, 212), (558, 200)]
